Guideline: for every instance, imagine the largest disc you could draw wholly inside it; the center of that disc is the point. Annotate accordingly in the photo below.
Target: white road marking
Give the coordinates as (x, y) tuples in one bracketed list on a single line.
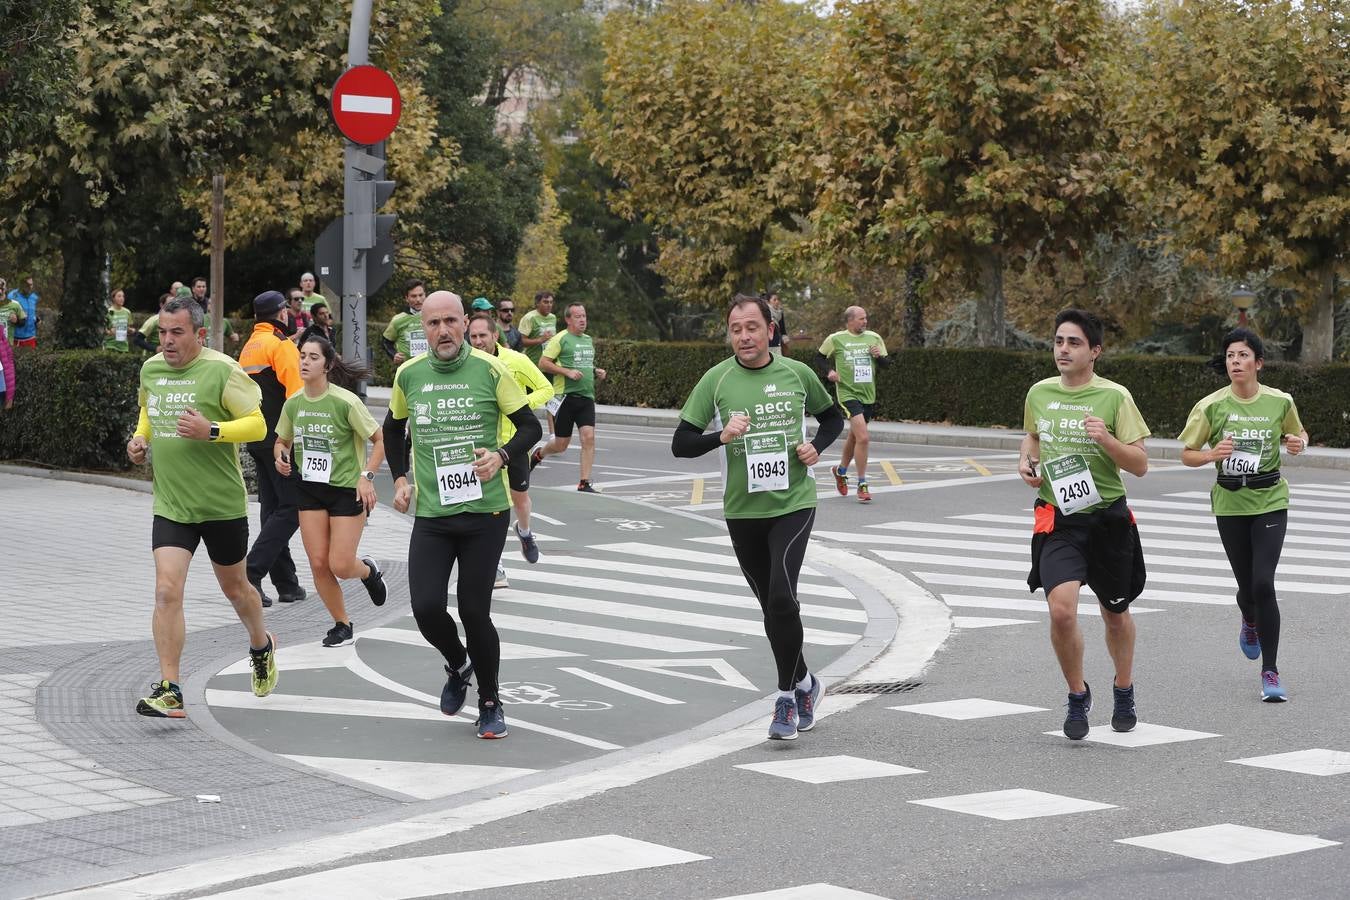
[(1019, 605), (1009, 805), (730, 677), (620, 686), (1228, 843), (818, 891), (638, 639), (1303, 503), (414, 638), (1305, 762), (968, 708), (729, 580), (1183, 579), (986, 622), (829, 769), (654, 552), (421, 780), (1143, 735)]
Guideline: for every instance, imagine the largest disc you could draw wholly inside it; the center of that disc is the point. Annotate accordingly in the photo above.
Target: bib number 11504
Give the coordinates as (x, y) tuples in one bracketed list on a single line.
[(1071, 481)]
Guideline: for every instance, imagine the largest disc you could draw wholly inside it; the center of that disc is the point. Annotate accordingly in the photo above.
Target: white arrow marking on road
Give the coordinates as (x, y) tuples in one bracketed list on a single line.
[(730, 677), (360, 103), (620, 686), (414, 638), (631, 639)]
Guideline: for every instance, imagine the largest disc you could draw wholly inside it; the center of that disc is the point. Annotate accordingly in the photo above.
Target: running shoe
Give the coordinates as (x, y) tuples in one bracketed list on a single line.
[(501, 581), (535, 459), (264, 667), (529, 547), (1076, 722), (864, 494), (807, 701), (165, 702), (1271, 689), (491, 720), (1123, 717), (840, 481), (340, 635), (266, 600), (456, 687), (374, 583), (1249, 641), (294, 596), (586, 488), (784, 724)]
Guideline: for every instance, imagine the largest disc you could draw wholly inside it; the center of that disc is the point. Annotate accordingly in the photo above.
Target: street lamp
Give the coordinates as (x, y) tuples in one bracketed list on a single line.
[(1242, 299)]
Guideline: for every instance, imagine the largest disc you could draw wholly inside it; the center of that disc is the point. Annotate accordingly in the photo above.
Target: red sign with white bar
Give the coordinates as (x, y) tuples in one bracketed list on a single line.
[(366, 104)]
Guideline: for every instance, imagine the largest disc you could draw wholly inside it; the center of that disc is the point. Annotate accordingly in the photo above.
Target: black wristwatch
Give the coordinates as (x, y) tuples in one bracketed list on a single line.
[(215, 431)]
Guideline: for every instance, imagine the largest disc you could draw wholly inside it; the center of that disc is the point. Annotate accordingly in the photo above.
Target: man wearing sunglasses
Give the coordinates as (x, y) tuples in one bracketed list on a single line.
[(506, 319)]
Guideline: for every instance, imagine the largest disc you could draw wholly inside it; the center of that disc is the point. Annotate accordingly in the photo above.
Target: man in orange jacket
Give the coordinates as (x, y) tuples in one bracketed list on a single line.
[(272, 361)]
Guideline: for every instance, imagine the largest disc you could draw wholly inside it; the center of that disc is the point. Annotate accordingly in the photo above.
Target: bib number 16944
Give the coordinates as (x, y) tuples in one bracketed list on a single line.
[(456, 479)]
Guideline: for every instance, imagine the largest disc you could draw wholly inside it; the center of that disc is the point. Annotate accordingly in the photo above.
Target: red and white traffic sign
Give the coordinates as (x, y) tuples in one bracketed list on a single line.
[(366, 104)]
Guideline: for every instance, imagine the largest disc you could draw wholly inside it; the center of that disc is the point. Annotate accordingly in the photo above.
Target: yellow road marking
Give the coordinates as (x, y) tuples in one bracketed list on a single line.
[(890, 472), (697, 496), (976, 466)]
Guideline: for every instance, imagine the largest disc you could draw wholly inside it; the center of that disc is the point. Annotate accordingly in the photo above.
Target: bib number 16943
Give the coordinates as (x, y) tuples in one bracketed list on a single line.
[(766, 461)]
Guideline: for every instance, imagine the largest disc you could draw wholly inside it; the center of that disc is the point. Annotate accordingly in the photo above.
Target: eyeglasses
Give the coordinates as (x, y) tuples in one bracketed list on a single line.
[(506, 309)]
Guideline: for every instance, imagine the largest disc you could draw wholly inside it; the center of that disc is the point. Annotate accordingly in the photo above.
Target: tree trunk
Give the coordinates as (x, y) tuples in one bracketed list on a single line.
[(989, 308), (915, 276), (83, 314), (1319, 328)]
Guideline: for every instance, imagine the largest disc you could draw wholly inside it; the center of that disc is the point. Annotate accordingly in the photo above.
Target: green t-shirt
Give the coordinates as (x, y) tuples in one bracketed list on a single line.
[(452, 407), (312, 299), (407, 334), (534, 325), (196, 481), (572, 351), (1056, 414), (14, 308), (851, 356), (1256, 426), (761, 474), (150, 328), (119, 320), (328, 435)]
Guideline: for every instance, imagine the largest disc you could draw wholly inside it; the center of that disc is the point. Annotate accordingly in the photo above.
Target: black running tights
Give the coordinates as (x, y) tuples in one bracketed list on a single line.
[(770, 552), (474, 540), (1253, 545)]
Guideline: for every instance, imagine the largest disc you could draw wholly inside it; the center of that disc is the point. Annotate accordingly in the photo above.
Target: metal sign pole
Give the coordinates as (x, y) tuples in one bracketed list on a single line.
[(353, 312)]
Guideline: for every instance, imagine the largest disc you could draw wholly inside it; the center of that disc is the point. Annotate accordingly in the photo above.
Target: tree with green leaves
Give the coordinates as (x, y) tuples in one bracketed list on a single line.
[(700, 118), (962, 135), (35, 68), (1236, 117)]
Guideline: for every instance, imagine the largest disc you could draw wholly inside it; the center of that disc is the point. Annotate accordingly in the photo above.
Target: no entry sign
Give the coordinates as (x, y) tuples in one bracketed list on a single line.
[(366, 104)]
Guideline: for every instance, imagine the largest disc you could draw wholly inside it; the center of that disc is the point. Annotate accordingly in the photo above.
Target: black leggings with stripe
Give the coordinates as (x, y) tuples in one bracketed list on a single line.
[(1253, 545), (770, 552)]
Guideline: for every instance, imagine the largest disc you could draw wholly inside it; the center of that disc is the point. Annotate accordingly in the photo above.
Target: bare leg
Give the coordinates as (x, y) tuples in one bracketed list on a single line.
[(587, 451), (555, 446), (847, 456), (247, 604), (1120, 643), (521, 501), (1065, 635), (167, 624), (860, 441), (314, 531)]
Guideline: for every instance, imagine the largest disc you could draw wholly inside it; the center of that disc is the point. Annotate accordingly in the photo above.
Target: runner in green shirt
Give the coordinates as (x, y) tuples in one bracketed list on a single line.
[(12, 313), (757, 403), (404, 338), (328, 426), (570, 358), (147, 336), (849, 359), (1245, 425), (453, 399), (538, 326), (1081, 431), (196, 407), (119, 323)]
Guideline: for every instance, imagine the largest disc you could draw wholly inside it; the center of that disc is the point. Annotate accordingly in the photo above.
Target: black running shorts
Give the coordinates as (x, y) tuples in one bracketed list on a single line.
[(336, 501), (226, 541), (575, 410), (858, 408)]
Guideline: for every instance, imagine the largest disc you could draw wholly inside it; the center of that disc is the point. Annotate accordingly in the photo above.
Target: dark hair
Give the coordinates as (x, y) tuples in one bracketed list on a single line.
[(199, 278), (541, 296), (414, 283), (483, 316), (1091, 325), (1244, 336), (748, 300), (164, 298), (316, 305), (340, 372), (181, 304)]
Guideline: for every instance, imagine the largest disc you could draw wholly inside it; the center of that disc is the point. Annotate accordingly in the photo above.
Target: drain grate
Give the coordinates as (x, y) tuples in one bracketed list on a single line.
[(877, 687)]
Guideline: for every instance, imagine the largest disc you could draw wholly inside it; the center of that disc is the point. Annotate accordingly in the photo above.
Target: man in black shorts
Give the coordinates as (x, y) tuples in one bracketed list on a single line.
[(570, 358), (848, 359), (197, 405)]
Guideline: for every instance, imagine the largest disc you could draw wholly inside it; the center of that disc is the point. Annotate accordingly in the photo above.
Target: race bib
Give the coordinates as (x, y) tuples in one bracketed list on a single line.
[(417, 343), (455, 477), (862, 372), (1071, 481), (1246, 459), (120, 333), (316, 460), (766, 461), (554, 405)]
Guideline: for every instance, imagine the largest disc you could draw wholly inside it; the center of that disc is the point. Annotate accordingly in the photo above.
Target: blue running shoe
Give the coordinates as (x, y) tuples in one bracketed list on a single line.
[(1249, 641), (456, 688), (1076, 722), (1271, 689), (807, 701), (784, 724), (529, 547), (491, 720), (1123, 717)]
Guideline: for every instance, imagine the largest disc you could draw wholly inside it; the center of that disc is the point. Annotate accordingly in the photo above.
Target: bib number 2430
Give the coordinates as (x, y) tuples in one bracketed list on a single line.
[(1071, 481)]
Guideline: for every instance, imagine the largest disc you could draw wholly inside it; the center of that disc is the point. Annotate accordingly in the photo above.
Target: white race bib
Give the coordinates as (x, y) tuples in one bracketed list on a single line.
[(766, 461), (554, 405), (417, 343), (1072, 484), (1246, 459), (455, 477), (316, 460), (120, 333), (862, 372)]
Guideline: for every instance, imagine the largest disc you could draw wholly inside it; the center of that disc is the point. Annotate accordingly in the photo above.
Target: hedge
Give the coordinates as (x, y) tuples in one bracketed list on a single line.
[(75, 409)]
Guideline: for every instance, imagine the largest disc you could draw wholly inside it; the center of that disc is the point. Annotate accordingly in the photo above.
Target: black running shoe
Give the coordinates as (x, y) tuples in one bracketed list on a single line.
[(1076, 722), (585, 487), (266, 600), (1123, 717), (340, 635), (491, 721), (294, 596), (455, 690), (374, 582)]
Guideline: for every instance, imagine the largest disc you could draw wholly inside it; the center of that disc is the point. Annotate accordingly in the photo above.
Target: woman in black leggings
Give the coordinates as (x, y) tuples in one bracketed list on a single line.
[(1245, 424)]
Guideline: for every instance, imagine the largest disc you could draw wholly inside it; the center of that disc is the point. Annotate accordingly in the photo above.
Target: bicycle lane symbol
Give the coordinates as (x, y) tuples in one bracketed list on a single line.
[(629, 524), (533, 693)]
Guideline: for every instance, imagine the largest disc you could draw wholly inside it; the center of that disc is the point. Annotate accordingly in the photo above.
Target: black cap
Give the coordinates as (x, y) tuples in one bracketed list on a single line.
[(267, 304)]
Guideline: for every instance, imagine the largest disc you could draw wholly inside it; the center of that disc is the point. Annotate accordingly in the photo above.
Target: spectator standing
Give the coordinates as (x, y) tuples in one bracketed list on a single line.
[(307, 290), (25, 330), (7, 374), (11, 314), (199, 294), (299, 317), (322, 325), (778, 340), (506, 319)]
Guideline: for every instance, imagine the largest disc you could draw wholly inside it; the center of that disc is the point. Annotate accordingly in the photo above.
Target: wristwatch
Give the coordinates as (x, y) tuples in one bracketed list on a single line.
[(215, 431), (368, 475)]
